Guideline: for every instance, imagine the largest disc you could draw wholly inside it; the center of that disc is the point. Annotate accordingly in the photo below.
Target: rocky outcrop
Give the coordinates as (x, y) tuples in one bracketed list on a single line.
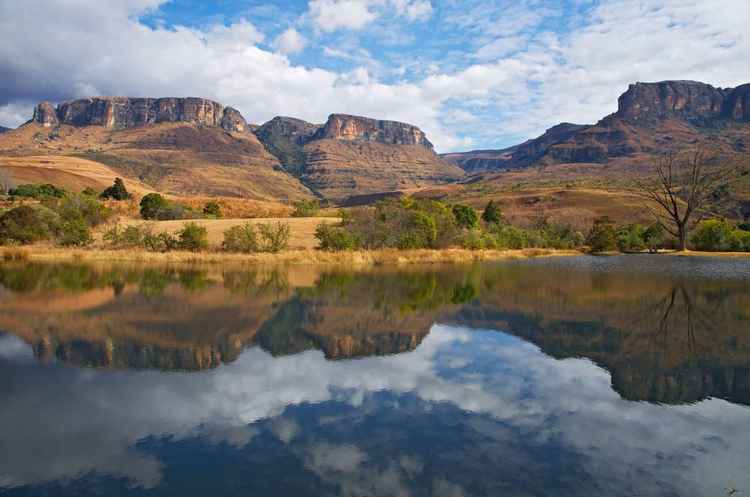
[(45, 114), (362, 129), (125, 112), (285, 138), (691, 100), (737, 104)]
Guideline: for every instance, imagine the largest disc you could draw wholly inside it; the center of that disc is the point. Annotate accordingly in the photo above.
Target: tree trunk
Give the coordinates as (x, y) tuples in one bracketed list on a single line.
[(682, 232)]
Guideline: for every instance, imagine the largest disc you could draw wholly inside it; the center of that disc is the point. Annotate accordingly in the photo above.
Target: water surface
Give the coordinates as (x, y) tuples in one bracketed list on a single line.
[(572, 376)]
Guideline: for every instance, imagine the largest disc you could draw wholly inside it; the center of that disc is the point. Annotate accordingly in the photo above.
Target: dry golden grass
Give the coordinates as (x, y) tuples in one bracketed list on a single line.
[(71, 173), (292, 257)]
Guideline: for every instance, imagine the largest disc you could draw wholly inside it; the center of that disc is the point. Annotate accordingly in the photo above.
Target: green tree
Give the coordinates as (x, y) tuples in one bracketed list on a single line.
[(492, 213), (241, 238), (151, 204), (117, 191), (306, 208), (602, 237), (466, 217)]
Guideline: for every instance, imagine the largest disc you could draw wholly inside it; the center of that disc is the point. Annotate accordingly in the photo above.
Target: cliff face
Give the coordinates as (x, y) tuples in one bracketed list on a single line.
[(691, 100), (350, 155), (125, 112), (362, 129)]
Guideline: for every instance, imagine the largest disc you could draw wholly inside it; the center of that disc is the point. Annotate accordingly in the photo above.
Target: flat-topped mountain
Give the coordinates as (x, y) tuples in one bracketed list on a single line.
[(126, 112), (350, 155), (652, 118), (363, 129)]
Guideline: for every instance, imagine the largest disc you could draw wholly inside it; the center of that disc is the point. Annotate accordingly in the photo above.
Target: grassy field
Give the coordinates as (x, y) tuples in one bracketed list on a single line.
[(302, 229), (359, 258)]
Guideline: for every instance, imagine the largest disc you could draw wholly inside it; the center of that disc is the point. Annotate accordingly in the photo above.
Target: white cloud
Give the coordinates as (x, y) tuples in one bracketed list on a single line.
[(330, 15), (290, 42)]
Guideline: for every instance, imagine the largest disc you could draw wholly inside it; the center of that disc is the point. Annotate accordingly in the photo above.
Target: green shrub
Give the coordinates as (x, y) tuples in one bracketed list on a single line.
[(602, 237), (492, 213), (74, 232), (151, 204), (26, 224), (466, 217), (306, 208), (335, 238), (240, 238), (631, 238), (127, 237), (193, 237), (478, 239), (212, 209), (653, 237), (89, 192), (717, 235), (37, 191), (160, 242), (273, 238), (75, 206), (117, 191)]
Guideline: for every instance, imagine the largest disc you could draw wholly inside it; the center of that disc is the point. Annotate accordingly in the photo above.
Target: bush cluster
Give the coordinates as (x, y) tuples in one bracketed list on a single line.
[(155, 207), (66, 220), (718, 235), (191, 236), (306, 208), (117, 191), (268, 238), (37, 191), (411, 224)]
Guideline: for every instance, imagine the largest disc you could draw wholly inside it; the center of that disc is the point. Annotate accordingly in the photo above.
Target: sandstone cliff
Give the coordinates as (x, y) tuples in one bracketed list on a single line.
[(363, 129), (125, 112), (351, 155)]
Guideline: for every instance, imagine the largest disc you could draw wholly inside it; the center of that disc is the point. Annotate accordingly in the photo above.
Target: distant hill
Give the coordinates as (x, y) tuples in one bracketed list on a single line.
[(3, 129), (652, 118)]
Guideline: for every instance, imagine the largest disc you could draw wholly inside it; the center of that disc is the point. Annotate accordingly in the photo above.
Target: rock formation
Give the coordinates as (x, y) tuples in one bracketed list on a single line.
[(125, 112), (651, 118), (363, 129), (351, 155)]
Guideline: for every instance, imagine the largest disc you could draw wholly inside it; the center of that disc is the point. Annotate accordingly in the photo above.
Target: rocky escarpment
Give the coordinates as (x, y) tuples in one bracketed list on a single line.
[(125, 112), (285, 137), (651, 118), (351, 155), (363, 129)]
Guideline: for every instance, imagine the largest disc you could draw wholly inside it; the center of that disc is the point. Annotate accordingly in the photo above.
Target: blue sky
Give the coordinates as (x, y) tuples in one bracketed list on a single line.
[(472, 74)]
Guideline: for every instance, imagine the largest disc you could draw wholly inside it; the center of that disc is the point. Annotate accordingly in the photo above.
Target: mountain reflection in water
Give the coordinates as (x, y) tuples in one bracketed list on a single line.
[(514, 378)]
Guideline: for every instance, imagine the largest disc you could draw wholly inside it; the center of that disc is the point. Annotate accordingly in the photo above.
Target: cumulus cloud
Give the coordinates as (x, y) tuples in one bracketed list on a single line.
[(290, 42), (331, 15)]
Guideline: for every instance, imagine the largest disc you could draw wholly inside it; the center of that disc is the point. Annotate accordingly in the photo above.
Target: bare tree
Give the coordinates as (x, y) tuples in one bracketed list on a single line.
[(682, 191)]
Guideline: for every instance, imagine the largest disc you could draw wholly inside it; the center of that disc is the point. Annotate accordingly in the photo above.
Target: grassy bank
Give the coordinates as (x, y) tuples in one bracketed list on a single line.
[(290, 257)]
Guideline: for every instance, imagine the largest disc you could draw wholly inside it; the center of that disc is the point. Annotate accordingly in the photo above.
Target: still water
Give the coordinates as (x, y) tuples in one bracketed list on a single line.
[(565, 377)]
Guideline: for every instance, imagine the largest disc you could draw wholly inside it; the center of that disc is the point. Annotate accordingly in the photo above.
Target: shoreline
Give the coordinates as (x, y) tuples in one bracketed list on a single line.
[(357, 258)]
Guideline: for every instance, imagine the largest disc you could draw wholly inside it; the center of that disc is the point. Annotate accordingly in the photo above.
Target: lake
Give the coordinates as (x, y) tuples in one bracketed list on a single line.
[(583, 376)]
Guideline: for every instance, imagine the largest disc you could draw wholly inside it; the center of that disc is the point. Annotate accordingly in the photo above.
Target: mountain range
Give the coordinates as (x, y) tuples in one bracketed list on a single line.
[(198, 147)]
